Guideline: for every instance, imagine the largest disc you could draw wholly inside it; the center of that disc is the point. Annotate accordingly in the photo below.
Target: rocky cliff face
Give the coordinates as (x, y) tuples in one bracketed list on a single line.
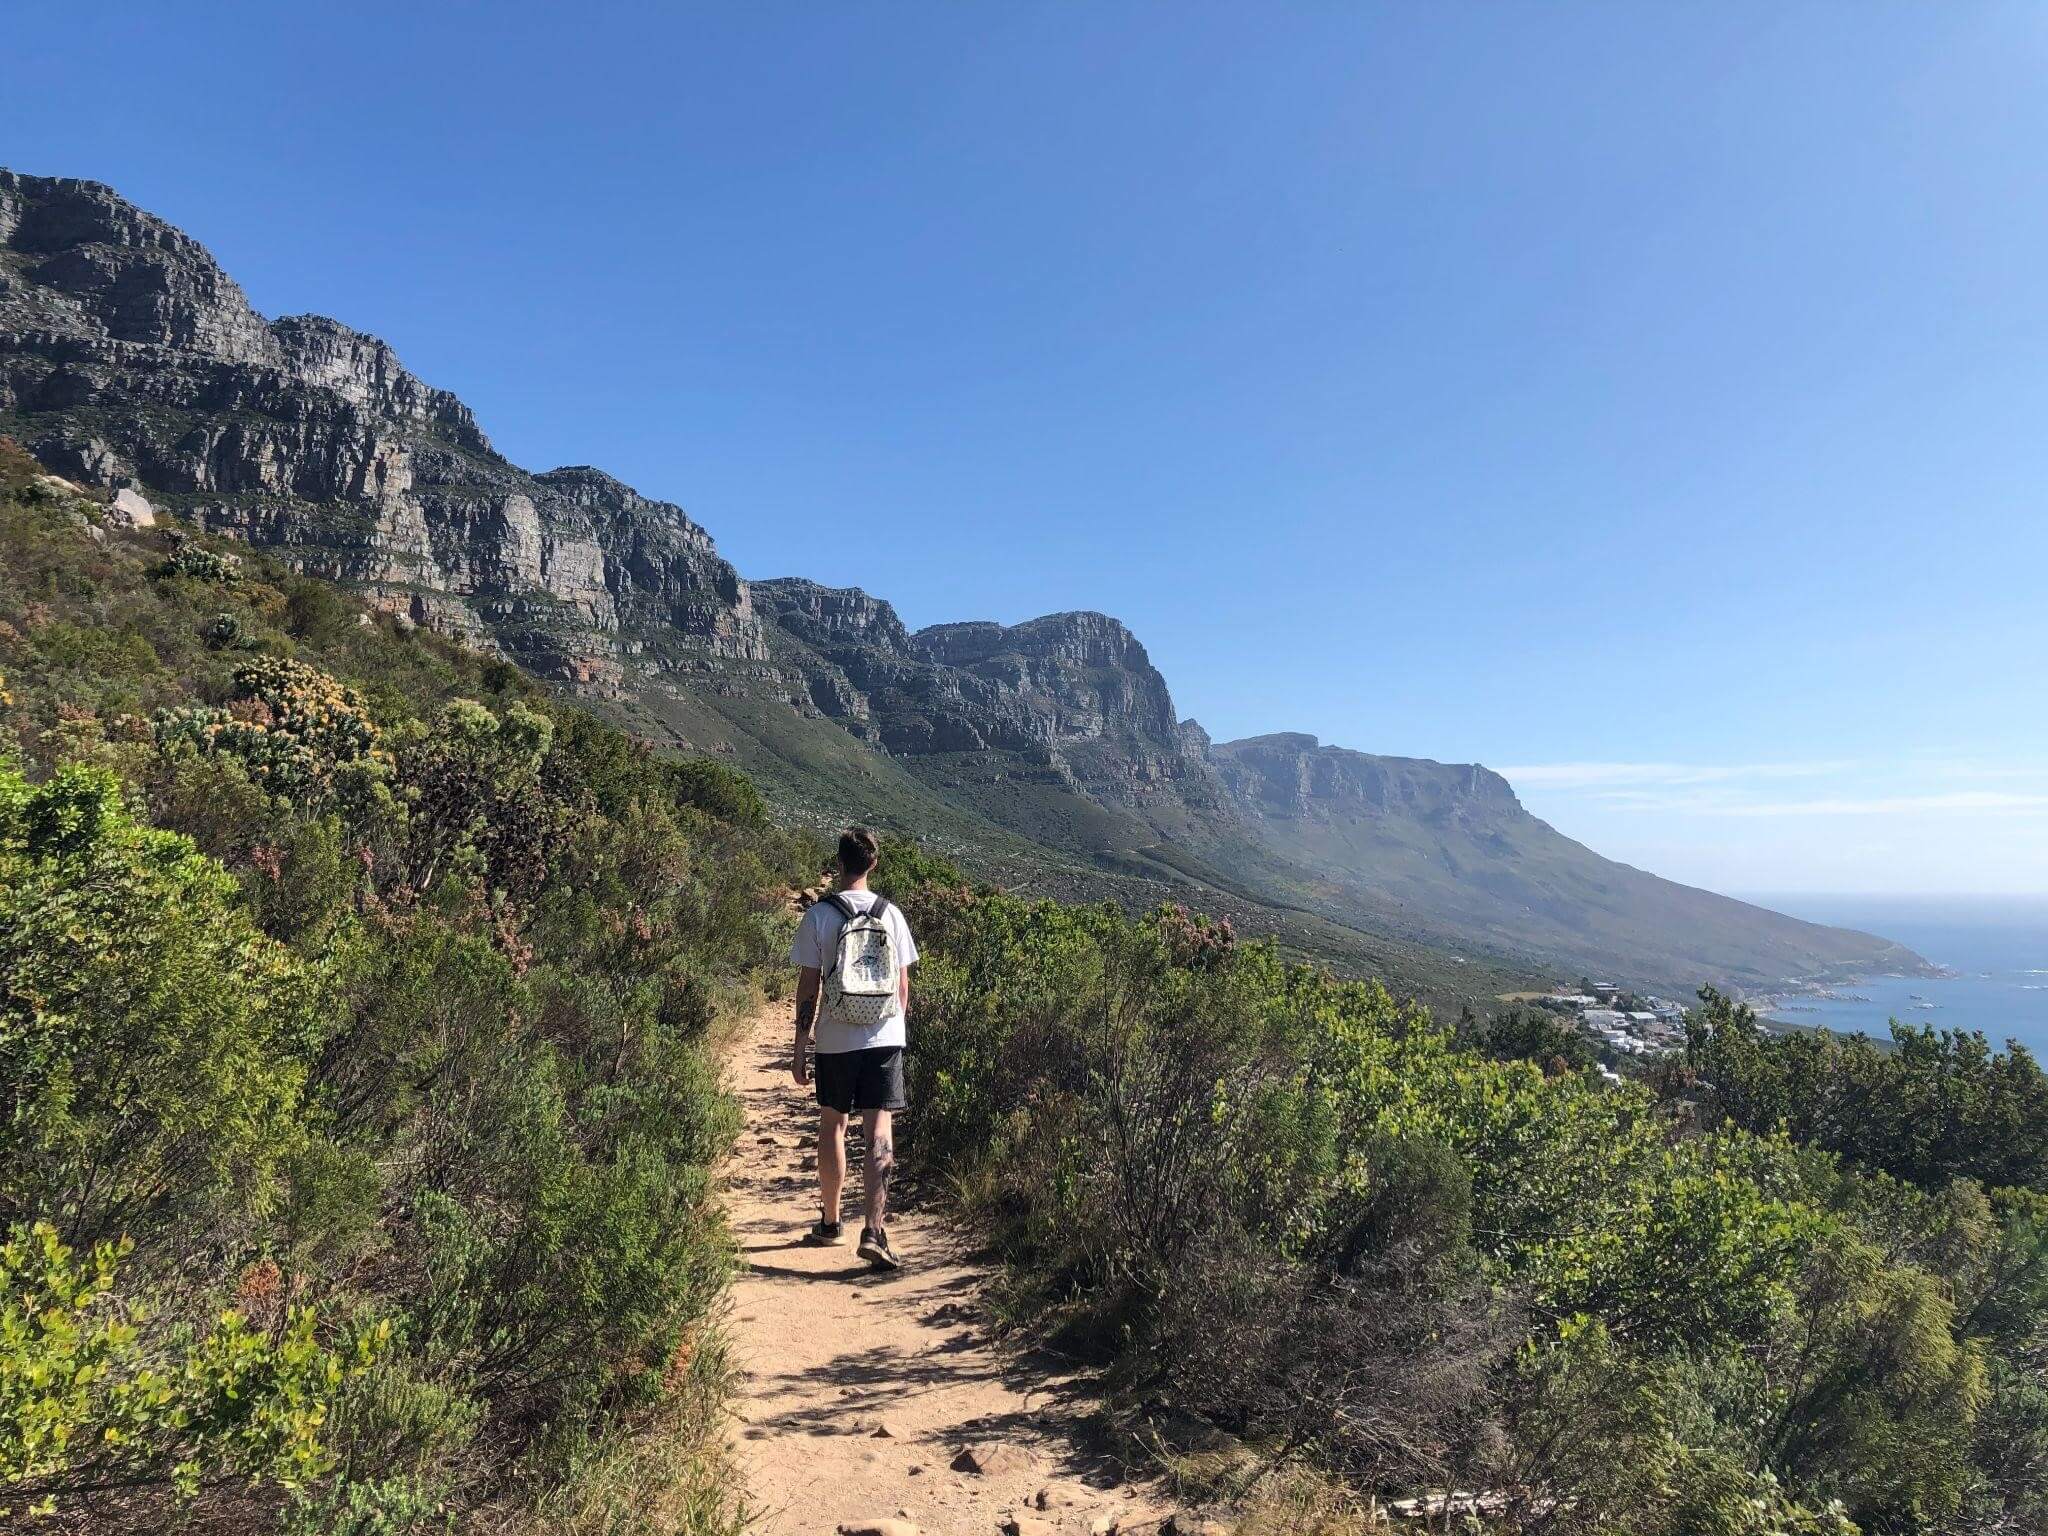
[(1073, 693), (1448, 849), (128, 358), (1294, 776), (1056, 683)]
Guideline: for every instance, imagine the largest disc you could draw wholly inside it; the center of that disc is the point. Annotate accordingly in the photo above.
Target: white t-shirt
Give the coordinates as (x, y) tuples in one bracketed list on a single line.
[(816, 938)]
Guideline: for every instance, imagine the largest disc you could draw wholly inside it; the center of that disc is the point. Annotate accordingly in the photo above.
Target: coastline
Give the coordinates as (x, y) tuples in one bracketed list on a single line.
[(1988, 970)]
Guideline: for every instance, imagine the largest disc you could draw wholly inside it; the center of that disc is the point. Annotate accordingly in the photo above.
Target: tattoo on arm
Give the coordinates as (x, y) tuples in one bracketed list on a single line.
[(806, 1011)]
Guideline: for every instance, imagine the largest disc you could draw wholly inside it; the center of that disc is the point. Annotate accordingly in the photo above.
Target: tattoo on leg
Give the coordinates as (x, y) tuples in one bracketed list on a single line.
[(881, 1163)]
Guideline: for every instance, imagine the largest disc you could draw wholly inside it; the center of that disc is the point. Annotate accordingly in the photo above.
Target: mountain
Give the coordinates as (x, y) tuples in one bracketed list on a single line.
[(1451, 841), (128, 357), (1048, 753), (1033, 722)]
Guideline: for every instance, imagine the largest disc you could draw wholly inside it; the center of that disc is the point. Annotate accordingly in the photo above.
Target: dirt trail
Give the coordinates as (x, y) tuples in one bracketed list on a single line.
[(831, 1351)]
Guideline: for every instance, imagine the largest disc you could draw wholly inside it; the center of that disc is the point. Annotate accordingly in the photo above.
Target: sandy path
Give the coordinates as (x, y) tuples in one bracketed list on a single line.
[(830, 1350)]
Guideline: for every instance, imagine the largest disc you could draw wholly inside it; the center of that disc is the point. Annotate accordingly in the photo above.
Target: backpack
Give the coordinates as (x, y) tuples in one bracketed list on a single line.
[(865, 972)]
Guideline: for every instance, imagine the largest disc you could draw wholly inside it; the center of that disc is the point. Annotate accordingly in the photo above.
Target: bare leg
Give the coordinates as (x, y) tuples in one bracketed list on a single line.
[(880, 1163), (831, 1161)]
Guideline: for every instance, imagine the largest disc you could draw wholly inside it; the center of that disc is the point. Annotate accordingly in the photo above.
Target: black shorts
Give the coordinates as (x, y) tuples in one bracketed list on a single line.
[(865, 1079)]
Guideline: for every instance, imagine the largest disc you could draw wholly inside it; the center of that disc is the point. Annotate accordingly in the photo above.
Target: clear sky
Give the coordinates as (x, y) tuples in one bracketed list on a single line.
[(1647, 399)]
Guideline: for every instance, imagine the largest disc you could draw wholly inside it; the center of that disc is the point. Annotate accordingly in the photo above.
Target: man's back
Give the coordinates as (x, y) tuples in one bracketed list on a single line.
[(817, 940)]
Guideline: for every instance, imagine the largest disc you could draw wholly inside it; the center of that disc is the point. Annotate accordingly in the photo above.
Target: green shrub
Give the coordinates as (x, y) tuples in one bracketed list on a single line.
[(1931, 1108), (297, 731), (93, 1397), (153, 1044), (202, 564), (428, 1052), (1296, 1209)]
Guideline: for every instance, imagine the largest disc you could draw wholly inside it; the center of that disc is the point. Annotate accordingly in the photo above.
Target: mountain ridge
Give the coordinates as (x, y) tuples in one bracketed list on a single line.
[(129, 358)]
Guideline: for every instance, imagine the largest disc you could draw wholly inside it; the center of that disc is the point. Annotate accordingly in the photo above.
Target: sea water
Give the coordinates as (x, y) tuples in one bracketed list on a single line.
[(1996, 946)]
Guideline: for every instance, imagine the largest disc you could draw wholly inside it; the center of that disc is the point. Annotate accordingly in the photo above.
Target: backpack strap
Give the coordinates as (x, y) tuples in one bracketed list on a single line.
[(847, 910), (844, 908), (847, 913)]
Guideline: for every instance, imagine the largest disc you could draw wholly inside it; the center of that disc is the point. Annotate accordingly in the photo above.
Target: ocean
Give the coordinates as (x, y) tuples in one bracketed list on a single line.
[(1998, 947)]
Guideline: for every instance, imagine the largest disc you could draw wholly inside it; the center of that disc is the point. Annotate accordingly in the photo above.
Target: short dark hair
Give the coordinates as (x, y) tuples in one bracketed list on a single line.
[(858, 850)]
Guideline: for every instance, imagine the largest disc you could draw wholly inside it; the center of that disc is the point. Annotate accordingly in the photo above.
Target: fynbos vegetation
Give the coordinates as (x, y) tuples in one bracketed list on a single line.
[(358, 1123), (1792, 1287)]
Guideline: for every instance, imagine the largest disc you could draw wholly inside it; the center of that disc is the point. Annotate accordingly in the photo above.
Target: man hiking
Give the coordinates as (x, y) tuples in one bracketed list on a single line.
[(853, 953)]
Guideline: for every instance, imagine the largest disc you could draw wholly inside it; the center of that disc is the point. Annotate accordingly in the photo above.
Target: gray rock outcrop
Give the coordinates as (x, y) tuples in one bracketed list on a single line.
[(131, 509), (1073, 694), (129, 358), (1293, 775)]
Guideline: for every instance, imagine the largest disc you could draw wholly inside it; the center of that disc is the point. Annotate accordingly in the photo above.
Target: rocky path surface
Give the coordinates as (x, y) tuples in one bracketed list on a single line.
[(871, 1397)]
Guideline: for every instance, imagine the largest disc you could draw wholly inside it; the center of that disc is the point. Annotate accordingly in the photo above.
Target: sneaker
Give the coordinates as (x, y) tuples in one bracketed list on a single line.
[(826, 1233), (874, 1247)]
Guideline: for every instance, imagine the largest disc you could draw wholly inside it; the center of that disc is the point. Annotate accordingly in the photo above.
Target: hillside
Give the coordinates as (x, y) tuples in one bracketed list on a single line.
[(355, 1004), (1046, 754), (1450, 844)]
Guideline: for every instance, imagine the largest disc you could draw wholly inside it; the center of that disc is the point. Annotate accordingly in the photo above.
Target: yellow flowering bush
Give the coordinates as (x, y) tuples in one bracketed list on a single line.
[(295, 728)]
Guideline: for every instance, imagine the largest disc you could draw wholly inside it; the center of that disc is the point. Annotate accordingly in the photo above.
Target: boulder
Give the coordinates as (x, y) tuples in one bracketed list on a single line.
[(1026, 1525), (131, 509)]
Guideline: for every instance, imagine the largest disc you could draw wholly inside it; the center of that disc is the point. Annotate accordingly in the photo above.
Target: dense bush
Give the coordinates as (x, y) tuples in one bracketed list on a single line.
[(1930, 1108), (353, 990), (1294, 1209), (95, 1399), (153, 1045), (154, 1049)]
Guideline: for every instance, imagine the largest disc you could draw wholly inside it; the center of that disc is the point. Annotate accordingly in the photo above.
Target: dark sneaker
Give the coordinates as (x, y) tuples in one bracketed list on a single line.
[(874, 1247), (826, 1234)]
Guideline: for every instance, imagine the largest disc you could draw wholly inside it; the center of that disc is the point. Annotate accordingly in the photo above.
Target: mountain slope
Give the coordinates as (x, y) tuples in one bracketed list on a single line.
[(1453, 843), (1047, 753)]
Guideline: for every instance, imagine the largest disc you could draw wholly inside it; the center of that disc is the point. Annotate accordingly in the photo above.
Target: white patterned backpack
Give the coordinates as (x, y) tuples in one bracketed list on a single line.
[(866, 972)]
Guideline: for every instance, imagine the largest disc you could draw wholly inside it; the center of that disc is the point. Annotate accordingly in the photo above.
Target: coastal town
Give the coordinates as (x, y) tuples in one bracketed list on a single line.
[(1620, 1022)]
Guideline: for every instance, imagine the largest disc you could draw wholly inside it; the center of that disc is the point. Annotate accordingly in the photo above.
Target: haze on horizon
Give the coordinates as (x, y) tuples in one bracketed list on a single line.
[(1643, 401)]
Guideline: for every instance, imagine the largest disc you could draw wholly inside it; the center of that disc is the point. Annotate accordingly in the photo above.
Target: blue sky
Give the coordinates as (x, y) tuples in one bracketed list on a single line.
[(1645, 399)]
